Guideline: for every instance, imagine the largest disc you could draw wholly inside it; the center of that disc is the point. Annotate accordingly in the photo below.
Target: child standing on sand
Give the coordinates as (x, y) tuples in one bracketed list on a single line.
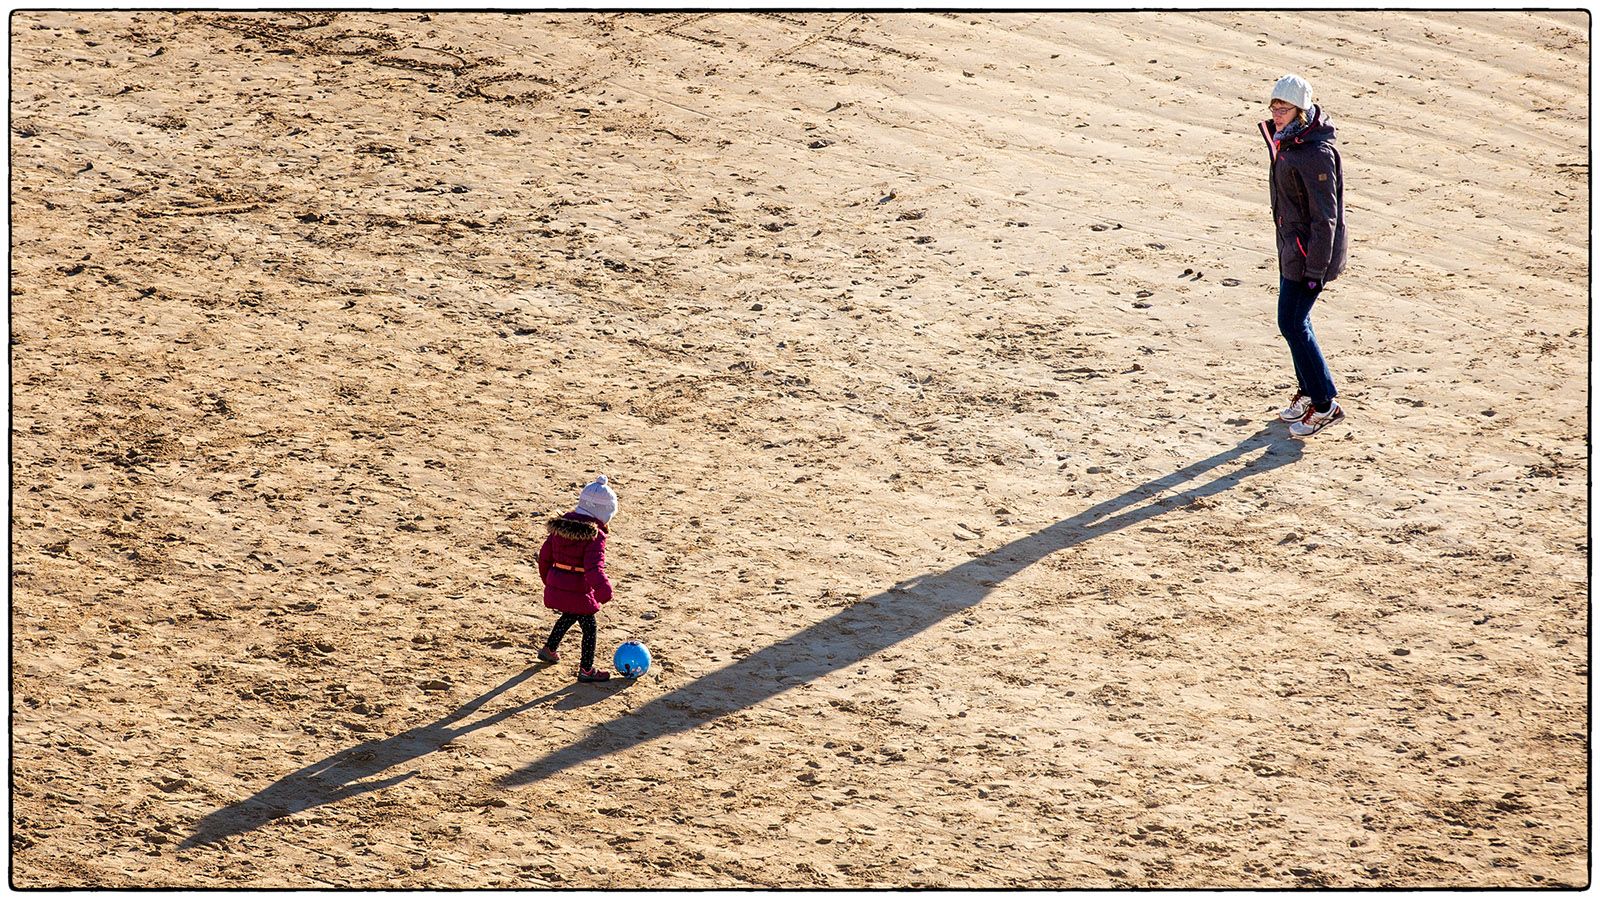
[(572, 565)]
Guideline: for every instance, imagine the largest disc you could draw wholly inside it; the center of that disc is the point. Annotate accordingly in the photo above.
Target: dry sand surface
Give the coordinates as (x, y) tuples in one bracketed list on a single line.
[(934, 359)]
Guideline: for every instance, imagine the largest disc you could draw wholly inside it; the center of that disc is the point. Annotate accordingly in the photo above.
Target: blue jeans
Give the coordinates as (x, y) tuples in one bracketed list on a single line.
[(1294, 322)]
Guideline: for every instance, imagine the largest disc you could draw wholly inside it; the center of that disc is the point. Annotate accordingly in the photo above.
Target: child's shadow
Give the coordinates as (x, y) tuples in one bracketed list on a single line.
[(574, 695), (844, 639), (351, 772)]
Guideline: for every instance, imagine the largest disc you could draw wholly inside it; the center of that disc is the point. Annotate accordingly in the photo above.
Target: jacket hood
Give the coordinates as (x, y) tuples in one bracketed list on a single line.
[(1319, 130), (574, 526)]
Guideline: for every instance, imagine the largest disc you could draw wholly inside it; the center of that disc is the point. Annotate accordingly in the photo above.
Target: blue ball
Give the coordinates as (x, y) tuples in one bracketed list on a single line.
[(631, 660)]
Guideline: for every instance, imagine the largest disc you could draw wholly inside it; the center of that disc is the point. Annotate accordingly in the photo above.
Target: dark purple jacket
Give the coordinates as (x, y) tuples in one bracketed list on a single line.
[(1308, 200), (572, 564)]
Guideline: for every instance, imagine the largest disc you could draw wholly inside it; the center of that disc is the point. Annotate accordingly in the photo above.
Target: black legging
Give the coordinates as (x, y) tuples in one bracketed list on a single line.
[(560, 631)]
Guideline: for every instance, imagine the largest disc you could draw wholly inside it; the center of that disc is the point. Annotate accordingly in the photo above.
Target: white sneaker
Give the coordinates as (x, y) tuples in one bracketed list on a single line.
[(1297, 408), (1315, 421)]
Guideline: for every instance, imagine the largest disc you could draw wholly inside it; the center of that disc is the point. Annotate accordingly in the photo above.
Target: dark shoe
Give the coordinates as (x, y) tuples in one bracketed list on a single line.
[(548, 655), (593, 675)]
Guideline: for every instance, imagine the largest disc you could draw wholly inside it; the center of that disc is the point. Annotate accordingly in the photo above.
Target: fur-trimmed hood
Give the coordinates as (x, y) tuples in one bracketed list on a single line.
[(573, 526)]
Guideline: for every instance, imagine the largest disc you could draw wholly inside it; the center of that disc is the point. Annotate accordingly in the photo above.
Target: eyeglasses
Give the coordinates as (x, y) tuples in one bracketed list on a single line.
[(1281, 109)]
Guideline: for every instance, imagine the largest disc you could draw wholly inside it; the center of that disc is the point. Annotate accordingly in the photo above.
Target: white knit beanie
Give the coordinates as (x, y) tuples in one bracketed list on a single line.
[(1292, 89), (597, 500)]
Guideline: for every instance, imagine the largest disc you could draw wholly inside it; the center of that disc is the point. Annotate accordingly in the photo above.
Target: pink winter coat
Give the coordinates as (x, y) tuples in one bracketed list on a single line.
[(572, 564)]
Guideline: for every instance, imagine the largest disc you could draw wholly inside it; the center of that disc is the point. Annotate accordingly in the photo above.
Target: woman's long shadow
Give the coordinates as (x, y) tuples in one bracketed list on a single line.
[(868, 627), (350, 772), (901, 612)]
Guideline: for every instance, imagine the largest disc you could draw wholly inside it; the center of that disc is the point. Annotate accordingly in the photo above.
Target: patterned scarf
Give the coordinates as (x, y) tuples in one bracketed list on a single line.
[(1296, 126)]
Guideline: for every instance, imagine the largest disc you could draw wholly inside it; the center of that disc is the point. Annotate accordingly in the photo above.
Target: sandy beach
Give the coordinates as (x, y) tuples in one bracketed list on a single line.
[(934, 360)]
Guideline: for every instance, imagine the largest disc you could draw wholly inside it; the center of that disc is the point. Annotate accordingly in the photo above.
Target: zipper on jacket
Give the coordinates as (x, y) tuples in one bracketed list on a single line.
[(1272, 167), (1266, 135)]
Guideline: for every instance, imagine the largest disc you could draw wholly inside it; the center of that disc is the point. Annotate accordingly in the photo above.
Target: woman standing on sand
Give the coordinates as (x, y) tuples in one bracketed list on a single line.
[(1307, 185)]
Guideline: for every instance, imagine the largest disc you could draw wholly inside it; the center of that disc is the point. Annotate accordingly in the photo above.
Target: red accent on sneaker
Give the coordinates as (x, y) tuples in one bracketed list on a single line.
[(1306, 427), (1298, 397)]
